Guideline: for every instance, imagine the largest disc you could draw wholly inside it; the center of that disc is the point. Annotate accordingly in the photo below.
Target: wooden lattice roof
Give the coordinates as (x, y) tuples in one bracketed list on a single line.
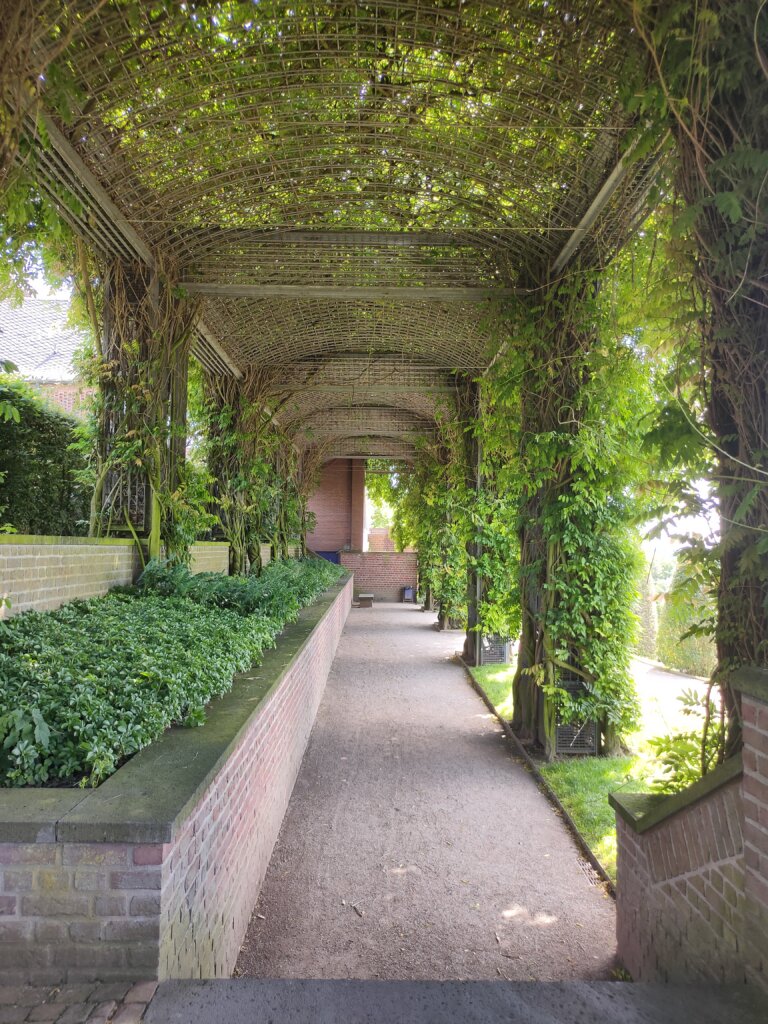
[(347, 185)]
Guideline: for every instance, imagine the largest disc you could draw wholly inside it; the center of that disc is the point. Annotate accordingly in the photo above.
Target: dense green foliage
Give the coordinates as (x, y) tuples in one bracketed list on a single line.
[(261, 481), (647, 611), (709, 88), (40, 488), (685, 756), (576, 441), (454, 527), (84, 687), (568, 408), (278, 592), (686, 624), (430, 505)]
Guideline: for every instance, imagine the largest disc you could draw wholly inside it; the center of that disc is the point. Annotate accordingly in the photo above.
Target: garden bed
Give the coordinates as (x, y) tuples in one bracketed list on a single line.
[(155, 872), (85, 687)]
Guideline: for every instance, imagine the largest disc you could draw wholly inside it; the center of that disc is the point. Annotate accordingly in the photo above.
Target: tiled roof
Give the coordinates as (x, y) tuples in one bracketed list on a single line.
[(36, 337)]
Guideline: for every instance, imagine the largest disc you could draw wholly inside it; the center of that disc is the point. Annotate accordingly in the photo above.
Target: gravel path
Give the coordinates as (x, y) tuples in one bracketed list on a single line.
[(415, 846)]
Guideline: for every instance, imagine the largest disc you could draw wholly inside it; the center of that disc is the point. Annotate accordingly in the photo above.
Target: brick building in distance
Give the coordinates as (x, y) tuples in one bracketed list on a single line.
[(339, 534), (37, 338)]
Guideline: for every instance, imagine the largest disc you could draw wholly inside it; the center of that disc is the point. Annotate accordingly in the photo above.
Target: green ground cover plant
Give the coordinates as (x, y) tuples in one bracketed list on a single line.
[(86, 686)]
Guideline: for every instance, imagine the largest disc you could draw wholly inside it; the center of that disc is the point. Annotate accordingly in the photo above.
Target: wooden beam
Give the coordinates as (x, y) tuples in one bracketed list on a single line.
[(345, 237), (96, 190), (344, 292), (210, 340), (595, 208)]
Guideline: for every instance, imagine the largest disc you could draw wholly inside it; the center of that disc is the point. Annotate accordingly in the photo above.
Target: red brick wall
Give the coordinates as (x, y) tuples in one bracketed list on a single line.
[(382, 573), (78, 911), (213, 872), (332, 504), (70, 397), (42, 573), (380, 540), (755, 791), (680, 893), (108, 911), (692, 892)]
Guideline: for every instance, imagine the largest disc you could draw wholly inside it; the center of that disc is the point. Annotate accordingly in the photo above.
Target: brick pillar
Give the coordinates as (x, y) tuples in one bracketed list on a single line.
[(752, 683), (358, 504)]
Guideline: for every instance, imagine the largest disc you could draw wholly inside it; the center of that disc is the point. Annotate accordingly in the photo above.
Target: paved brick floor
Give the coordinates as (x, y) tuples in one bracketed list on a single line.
[(76, 1004)]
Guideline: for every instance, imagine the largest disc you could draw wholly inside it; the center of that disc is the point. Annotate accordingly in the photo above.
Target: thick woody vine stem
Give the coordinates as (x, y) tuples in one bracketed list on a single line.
[(708, 63)]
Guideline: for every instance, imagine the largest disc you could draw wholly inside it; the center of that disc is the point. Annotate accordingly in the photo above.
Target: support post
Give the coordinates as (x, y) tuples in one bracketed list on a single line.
[(357, 510), (470, 402), (142, 443)]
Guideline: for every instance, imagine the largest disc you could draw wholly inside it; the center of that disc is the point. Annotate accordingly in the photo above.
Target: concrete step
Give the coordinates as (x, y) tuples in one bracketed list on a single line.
[(256, 1001)]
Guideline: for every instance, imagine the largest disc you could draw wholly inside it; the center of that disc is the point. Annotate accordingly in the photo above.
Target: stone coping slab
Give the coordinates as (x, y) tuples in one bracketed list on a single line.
[(752, 681), (148, 799), (44, 540), (642, 811), (34, 539)]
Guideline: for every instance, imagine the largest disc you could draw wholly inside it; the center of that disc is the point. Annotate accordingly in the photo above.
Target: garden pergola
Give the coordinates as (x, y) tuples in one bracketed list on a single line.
[(343, 189), (331, 204)]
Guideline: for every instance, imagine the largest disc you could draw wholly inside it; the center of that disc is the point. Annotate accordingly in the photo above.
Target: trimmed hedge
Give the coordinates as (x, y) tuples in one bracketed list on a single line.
[(85, 686), (40, 492)]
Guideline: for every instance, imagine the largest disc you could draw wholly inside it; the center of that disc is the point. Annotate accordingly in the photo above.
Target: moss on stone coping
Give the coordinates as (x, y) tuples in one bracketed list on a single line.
[(753, 681), (41, 541), (642, 811), (29, 815), (149, 798)]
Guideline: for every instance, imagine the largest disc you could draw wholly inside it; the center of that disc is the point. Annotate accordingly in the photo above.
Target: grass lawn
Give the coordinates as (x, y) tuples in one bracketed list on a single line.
[(582, 784)]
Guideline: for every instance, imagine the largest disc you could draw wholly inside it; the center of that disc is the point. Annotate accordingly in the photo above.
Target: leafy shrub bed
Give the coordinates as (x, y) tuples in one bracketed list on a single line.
[(41, 485), (85, 686)]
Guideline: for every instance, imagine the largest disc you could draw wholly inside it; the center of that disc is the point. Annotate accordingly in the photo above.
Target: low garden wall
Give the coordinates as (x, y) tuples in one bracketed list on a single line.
[(209, 556), (155, 873), (692, 889), (42, 573), (382, 573)]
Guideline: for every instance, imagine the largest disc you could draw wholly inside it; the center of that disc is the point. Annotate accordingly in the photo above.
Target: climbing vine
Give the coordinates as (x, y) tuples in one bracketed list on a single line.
[(262, 481), (706, 80), (574, 393), (141, 483), (457, 528), (431, 513)]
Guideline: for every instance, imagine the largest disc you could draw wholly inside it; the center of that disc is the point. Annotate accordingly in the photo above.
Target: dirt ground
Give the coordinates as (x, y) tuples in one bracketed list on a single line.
[(415, 846)]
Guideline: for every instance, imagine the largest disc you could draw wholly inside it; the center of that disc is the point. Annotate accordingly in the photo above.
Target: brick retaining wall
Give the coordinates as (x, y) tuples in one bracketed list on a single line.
[(754, 709), (692, 889), (155, 873), (382, 573), (42, 573), (210, 556)]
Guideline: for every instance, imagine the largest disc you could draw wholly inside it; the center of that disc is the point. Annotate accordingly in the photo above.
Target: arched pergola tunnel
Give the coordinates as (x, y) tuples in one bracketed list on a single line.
[(333, 208), (346, 212), (336, 196)]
